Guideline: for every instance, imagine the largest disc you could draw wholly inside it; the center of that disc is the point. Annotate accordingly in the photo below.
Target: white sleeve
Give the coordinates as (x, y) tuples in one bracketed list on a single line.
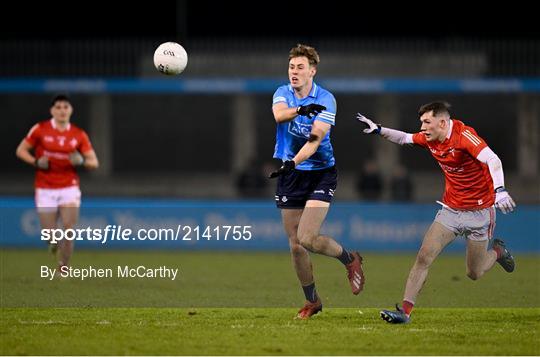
[(396, 136), (487, 156)]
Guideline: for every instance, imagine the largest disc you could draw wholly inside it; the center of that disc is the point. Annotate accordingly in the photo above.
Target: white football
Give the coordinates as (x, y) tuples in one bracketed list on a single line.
[(170, 58)]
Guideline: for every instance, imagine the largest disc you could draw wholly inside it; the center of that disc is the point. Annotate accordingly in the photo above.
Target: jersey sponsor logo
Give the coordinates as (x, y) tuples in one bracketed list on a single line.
[(56, 155), (472, 138), (299, 129), (451, 169)]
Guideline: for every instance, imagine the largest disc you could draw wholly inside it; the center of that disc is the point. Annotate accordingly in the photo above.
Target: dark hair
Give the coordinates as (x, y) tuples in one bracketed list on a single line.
[(60, 98), (437, 108), (305, 51)]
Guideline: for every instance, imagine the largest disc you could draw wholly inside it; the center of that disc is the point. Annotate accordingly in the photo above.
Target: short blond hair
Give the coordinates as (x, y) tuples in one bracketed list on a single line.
[(309, 52)]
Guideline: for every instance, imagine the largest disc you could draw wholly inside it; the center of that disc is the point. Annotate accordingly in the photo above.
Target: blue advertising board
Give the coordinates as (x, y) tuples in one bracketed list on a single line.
[(245, 225)]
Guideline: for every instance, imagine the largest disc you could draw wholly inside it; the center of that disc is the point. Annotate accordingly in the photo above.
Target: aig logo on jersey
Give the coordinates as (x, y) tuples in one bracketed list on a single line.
[(300, 130)]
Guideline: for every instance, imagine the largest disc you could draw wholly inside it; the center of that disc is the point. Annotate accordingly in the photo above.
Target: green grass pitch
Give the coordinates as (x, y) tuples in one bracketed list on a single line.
[(243, 303)]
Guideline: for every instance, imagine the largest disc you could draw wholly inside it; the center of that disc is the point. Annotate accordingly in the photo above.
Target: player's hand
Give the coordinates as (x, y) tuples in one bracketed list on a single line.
[(310, 110), (372, 128), (503, 201), (287, 166), (76, 158), (42, 163)]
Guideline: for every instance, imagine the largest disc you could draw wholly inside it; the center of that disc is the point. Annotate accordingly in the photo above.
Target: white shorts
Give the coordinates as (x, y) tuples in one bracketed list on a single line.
[(48, 199), (475, 225)]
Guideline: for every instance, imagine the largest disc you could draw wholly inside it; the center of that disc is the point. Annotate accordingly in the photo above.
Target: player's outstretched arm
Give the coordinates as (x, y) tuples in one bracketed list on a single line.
[(503, 201), (282, 113), (395, 136)]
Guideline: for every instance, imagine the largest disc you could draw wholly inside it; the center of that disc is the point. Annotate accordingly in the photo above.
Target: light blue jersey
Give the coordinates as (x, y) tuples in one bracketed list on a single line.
[(292, 135)]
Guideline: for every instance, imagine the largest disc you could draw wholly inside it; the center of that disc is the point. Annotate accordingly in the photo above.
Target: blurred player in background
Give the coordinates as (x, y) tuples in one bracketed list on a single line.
[(305, 113), (58, 147), (474, 184)]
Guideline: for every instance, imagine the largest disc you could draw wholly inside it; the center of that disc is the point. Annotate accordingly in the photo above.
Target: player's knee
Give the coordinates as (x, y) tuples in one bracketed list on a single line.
[(424, 259), (296, 248), (474, 274), (306, 240)]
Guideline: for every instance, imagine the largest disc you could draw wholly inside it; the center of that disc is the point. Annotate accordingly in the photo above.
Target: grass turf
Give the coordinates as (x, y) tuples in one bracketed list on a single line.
[(268, 331), (244, 303)]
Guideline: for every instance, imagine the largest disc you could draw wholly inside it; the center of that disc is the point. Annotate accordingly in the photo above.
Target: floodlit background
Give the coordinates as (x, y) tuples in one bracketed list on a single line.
[(195, 150), (209, 133)]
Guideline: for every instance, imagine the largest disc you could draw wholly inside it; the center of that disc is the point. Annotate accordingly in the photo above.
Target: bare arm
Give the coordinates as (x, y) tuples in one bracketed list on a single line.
[(318, 132), (282, 113), (23, 152), (90, 160)]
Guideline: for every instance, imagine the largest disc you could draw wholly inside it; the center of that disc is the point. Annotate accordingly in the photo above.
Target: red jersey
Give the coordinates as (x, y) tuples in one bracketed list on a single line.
[(49, 141), (469, 185)]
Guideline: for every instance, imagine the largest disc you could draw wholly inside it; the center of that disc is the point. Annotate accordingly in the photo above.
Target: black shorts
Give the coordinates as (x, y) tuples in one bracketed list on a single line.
[(297, 187)]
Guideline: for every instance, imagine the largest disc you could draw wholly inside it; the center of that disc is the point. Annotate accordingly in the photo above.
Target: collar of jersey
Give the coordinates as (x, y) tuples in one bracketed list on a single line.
[(312, 93), (53, 124), (450, 129)]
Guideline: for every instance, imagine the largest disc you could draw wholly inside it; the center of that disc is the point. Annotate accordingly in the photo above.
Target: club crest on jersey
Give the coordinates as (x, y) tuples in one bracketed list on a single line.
[(73, 142)]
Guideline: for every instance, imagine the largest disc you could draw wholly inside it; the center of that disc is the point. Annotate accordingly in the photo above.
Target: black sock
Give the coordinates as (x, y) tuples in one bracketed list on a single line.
[(345, 257), (310, 292)]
